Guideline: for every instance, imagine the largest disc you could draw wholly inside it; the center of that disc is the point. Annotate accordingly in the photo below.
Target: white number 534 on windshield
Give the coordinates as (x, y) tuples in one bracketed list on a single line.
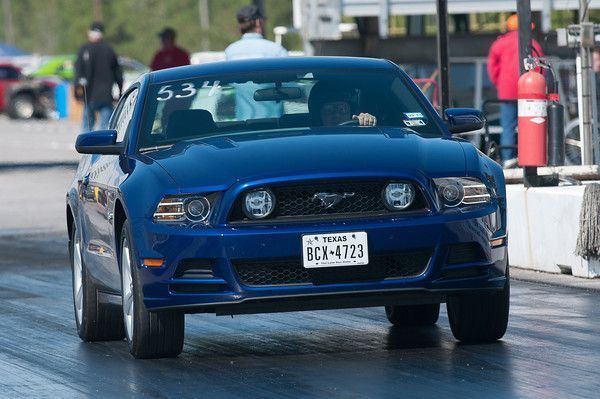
[(187, 89)]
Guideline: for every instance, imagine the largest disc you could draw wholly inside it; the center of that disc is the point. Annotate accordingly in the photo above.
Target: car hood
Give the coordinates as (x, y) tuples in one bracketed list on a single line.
[(223, 161)]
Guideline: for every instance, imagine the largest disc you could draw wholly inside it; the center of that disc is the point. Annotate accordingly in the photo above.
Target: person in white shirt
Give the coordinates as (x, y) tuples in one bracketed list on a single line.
[(253, 45)]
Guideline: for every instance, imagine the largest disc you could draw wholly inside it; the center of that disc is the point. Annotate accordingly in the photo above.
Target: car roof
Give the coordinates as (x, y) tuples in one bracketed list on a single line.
[(269, 64)]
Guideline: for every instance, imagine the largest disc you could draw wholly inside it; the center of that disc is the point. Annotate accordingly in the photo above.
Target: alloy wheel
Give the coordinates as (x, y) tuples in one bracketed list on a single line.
[(127, 284), (78, 280)]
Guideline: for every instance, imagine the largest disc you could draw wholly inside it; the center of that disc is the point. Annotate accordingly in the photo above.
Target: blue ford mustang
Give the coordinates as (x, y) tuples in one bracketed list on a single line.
[(283, 185)]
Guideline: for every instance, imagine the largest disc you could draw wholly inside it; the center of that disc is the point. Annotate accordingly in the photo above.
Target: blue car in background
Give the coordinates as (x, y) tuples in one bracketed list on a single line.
[(286, 184)]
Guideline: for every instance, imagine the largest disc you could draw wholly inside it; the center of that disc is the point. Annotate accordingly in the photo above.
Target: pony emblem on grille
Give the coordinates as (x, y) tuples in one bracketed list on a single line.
[(329, 200)]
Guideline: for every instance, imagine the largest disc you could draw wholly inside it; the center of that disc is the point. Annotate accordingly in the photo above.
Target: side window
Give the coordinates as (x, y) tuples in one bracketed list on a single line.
[(122, 119), (8, 73)]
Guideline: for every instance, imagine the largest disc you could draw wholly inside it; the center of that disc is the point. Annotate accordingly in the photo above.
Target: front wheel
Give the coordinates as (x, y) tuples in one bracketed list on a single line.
[(95, 321), (148, 334), (480, 317)]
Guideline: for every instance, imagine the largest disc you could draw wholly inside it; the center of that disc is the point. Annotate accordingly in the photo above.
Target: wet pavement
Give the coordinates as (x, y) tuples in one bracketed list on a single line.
[(551, 349)]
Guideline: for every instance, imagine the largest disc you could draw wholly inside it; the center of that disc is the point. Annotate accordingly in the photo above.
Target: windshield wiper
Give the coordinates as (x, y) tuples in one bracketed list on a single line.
[(155, 148)]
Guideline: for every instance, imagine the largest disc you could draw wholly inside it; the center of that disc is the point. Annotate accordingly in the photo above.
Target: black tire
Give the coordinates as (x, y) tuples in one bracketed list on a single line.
[(96, 321), (21, 106), (154, 334), (480, 317), (413, 315)]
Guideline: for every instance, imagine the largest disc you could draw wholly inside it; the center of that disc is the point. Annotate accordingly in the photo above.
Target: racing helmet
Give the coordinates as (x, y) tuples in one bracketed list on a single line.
[(325, 92)]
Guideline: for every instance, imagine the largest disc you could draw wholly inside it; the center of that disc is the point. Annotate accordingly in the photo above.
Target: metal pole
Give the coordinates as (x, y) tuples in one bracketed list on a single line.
[(204, 23), (309, 25), (297, 14), (586, 122), (547, 6), (443, 65), (524, 12), (384, 14)]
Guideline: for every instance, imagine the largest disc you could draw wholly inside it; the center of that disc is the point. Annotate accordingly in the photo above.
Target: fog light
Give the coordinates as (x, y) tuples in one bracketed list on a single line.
[(259, 204), (399, 196)]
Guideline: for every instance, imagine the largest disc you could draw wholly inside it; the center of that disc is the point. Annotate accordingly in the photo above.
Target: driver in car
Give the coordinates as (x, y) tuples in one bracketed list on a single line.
[(331, 105)]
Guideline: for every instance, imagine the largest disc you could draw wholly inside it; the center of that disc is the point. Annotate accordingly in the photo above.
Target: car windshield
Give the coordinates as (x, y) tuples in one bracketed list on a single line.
[(279, 102)]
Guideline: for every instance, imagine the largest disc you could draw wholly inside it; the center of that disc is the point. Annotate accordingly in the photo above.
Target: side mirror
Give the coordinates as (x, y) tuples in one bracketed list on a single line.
[(99, 142), (461, 120)]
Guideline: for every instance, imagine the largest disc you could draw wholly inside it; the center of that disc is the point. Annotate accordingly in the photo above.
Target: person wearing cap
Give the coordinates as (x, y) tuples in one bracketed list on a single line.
[(97, 70), (503, 70), (253, 45), (169, 55)]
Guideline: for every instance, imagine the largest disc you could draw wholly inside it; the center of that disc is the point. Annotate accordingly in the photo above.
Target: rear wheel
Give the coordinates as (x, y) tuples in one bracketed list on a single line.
[(480, 317), (148, 334), (413, 315), (95, 321)]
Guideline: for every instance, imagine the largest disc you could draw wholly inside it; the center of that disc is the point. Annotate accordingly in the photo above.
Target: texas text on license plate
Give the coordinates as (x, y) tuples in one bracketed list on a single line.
[(338, 249)]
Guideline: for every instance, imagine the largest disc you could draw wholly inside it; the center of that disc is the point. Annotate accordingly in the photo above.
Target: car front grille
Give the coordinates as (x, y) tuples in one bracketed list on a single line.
[(291, 272), (293, 202)]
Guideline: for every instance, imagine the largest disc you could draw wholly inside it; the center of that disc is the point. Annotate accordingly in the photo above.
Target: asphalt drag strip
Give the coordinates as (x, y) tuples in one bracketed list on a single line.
[(550, 351)]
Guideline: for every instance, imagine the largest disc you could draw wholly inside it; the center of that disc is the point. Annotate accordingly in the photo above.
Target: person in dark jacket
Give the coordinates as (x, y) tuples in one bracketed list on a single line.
[(97, 70)]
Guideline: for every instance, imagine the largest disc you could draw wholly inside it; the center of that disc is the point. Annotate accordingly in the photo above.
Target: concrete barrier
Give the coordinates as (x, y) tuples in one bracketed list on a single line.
[(543, 224)]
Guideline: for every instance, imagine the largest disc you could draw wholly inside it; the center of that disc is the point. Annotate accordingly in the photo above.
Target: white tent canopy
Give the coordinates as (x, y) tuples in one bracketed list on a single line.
[(364, 8)]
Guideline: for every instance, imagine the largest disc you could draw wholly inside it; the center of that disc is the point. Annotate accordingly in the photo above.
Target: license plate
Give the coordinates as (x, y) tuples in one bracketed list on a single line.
[(338, 249)]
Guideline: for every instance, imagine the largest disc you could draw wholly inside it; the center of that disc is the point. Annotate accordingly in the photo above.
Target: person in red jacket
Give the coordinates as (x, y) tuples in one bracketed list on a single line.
[(503, 70), (170, 55)]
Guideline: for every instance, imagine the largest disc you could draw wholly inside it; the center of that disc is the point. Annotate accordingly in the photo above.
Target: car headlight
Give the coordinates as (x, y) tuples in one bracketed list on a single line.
[(398, 196), (189, 209), (455, 191), (259, 204), (197, 209)]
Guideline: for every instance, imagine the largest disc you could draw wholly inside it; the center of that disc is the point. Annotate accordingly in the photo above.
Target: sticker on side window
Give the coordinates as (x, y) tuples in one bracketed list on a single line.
[(413, 115), (414, 122)]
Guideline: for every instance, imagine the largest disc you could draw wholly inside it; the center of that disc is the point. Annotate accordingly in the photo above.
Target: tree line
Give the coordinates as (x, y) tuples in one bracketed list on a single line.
[(59, 26)]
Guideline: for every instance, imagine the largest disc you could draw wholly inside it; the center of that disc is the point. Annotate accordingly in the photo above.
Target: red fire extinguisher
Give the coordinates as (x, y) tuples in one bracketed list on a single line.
[(533, 121)]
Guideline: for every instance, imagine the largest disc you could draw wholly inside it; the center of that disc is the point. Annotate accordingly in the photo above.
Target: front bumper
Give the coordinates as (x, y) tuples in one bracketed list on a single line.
[(224, 292)]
